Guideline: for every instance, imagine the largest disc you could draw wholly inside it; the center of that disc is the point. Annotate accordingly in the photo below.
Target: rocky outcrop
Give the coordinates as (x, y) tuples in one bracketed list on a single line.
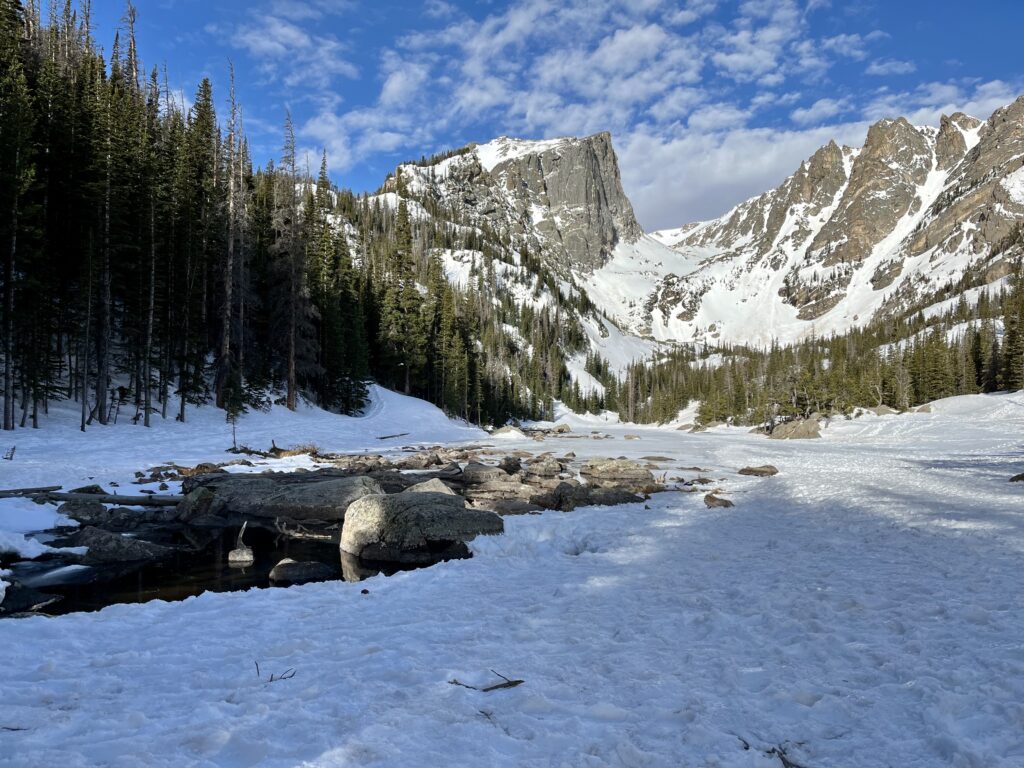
[(797, 429), (841, 240), (413, 527), (562, 198), (292, 497), (621, 473)]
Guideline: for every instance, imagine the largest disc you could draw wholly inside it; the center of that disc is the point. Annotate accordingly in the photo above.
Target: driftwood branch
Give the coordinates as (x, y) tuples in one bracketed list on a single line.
[(9, 492), (388, 437), (110, 498)]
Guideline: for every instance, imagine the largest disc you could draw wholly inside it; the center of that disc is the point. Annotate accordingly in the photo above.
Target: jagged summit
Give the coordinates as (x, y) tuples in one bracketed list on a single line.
[(851, 234)]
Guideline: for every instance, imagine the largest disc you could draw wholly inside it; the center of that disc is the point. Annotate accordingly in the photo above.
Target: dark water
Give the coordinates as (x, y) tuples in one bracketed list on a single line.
[(186, 574)]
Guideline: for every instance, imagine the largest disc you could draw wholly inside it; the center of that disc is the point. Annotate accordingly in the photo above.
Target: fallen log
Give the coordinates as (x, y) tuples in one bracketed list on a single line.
[(110, 498), (9, 492)]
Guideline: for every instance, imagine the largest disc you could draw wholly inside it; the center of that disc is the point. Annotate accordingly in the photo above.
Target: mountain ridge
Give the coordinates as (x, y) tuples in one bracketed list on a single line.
[(852, 234)]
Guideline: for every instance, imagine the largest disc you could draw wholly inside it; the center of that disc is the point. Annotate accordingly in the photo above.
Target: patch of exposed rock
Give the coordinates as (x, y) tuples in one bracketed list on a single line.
[(765, 470), (797, 429)]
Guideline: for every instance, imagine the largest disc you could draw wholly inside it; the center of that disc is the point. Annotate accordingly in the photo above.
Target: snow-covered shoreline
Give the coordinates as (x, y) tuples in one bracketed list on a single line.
[(862, 608)]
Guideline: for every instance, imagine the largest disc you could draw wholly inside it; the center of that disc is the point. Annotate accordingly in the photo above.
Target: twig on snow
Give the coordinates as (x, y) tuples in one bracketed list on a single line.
[(508, 683)]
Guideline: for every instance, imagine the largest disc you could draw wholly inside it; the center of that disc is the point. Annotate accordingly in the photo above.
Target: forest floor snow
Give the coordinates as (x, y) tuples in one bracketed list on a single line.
[(861, 608)]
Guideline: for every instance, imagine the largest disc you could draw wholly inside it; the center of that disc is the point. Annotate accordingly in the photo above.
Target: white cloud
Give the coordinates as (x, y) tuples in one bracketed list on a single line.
[(821, 110), (673, 180), (288, 53), (890, 67), (681, 92)]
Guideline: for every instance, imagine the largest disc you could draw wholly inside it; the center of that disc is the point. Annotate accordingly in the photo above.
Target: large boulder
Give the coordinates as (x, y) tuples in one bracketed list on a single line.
[(798, 429), (413, 527), (624, 473), (291, 497)]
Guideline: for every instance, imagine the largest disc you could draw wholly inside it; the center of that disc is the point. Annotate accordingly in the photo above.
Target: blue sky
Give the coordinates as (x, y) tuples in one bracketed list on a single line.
[(708, 101)]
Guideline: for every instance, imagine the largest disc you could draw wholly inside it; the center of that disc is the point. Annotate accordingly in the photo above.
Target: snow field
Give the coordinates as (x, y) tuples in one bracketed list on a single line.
[(862, 608)]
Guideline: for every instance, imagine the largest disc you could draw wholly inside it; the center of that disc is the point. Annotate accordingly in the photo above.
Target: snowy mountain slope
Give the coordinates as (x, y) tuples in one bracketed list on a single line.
[(852, 234)]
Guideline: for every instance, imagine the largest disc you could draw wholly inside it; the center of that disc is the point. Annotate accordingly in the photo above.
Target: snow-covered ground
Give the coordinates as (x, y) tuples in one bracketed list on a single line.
[(60, 454), (862, 608)]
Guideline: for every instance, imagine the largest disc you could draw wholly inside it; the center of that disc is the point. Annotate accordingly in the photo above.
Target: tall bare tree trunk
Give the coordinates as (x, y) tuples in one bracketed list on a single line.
[(224, 362), (103, 338), (84, 363), (9, 311), (147, 365)]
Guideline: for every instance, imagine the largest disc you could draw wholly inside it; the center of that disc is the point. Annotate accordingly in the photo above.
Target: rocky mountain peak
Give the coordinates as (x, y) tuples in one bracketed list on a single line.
[(951, 141), (853, 234), (560, 198)]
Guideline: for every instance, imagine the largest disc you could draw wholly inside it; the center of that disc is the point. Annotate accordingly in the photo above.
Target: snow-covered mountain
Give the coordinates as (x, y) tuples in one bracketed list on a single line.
[(853, 233)]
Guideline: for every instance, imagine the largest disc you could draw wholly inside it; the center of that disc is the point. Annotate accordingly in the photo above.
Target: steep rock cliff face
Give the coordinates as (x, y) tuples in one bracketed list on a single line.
[(561, 198)]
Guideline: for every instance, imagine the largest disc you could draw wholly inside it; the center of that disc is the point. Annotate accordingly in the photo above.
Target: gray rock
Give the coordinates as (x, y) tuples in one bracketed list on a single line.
[(434, 485), (710, 500), (85, 512), (610, 497), (765, 470), (510, 464), (1017, 478), (798, 429), (421, 461), (107, 547), (543, 467), (298, 572), (412, 527), (475, 473), (618, 472)]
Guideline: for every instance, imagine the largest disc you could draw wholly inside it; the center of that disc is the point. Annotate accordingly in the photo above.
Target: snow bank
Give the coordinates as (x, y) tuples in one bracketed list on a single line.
[(60, 454)]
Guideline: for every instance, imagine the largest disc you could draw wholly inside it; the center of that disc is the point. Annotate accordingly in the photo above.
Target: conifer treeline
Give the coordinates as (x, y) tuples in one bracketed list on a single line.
[(899, 363), (148, 265)]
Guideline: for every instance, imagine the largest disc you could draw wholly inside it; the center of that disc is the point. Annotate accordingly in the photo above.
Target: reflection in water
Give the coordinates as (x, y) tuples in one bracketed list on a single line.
[(206, 565)]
